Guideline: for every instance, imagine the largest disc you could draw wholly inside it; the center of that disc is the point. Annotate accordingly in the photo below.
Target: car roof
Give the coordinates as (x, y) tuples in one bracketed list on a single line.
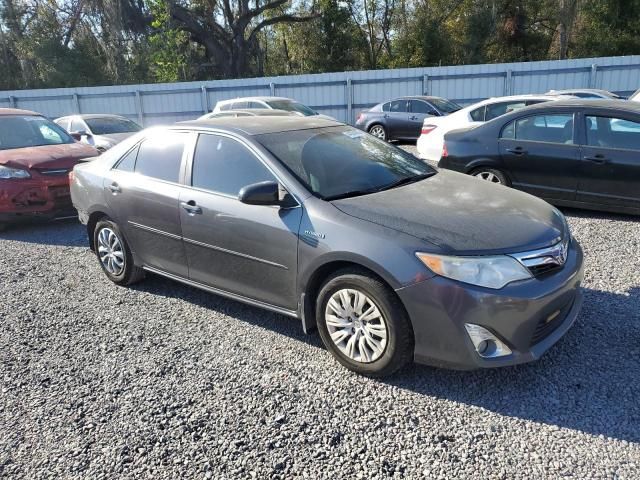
[(263, 98), (582, 90), (17, 111), (260, 124), (88, 116), (612, 104), (268, 112)]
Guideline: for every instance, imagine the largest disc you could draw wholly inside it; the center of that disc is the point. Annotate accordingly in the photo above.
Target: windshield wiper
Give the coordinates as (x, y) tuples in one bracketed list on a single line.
[(351, 193), (405, 181)]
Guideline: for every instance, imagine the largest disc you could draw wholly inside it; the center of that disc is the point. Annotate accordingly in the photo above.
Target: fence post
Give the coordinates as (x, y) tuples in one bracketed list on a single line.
[(12, 101), (272, 89), (593, 76), (349, 95), (508, 82), (76, 102), (425, 84), (139, 109), (204, 99)]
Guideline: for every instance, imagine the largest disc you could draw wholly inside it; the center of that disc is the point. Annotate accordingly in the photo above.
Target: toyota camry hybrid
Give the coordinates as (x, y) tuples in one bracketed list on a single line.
[(391, 259)]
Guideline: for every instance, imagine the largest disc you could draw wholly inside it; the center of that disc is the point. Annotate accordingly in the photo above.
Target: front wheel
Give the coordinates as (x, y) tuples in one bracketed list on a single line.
[(114, 254), (378, 131), (363, 324)]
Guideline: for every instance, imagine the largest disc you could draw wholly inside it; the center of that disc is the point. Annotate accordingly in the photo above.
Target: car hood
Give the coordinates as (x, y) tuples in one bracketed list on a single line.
[(462, 215), (47, 156)]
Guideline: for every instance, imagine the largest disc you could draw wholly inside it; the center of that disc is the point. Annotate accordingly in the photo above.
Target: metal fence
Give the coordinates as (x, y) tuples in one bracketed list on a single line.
[(340, 95)]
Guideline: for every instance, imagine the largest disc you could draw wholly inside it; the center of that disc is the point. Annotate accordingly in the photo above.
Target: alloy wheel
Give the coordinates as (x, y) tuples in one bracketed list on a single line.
[(488, 176), (378, 132), (356, 325), (110, 251)]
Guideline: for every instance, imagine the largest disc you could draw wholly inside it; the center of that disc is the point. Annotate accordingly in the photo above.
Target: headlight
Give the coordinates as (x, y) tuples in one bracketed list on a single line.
[(7, 172), (491, 272)]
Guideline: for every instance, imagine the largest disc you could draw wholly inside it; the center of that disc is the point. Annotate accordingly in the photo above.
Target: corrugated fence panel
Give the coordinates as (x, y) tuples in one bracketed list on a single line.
[(336, 94)]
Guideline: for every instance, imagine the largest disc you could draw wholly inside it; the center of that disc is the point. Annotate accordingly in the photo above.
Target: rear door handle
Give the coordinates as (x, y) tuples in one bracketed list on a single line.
[(191, 207), (115, 188), (517, 151), (599, 159), (413, 117)]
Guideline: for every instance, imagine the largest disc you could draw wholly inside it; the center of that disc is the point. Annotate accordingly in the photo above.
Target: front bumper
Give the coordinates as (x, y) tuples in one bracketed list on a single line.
[(528, 316), (35, 198)]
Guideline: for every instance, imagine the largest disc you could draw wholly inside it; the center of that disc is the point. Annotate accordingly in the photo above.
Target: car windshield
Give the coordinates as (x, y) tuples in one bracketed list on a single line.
[(340, 162), (445, 106), (109, 125), (291, 106), (20, 131)]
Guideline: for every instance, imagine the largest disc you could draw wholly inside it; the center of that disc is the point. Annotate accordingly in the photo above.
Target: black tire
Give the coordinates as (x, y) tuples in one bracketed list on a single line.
[(491, 174), (399, 346), (129, 273), (378, 131)]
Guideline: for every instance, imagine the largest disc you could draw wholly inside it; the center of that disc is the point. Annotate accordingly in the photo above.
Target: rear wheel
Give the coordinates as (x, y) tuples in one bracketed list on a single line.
[(491, 175), (363, 324), (114, 254), (378, 131)]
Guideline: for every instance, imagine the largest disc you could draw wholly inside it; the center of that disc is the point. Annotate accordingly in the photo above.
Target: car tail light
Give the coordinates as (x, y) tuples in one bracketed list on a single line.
[(426, 129), (445, 152)]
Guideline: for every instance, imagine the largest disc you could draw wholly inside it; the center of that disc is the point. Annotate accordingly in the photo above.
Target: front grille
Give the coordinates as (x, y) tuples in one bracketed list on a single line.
[(547, 326), (538, 270), (55, 172), (545, 260)]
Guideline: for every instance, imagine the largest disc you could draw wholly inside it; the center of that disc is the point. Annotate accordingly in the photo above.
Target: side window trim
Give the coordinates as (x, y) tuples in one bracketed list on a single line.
[(574, 114), (188, 170)]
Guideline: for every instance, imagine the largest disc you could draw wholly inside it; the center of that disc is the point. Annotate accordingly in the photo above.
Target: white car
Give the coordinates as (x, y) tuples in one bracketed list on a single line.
[(431, 138), (271, 103), (590, 93)]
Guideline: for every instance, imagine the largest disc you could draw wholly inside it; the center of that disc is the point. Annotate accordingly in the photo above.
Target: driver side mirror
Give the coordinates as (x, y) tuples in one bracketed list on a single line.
[(79, 134), (266, 193)]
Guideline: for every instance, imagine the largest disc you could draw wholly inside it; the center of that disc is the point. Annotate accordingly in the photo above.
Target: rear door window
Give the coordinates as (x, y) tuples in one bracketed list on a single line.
[(545, 128), (612, 132), (160, 156), (224, 165), (398, 106), (497, 109)]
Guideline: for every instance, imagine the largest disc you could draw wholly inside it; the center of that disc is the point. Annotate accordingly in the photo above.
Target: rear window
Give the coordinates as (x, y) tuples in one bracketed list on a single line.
[(20, 131), (110, 125)]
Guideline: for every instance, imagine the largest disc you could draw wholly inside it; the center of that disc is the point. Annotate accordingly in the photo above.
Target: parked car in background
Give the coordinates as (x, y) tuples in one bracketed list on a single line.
[(579, 153), (100, 131), (389, 258), (402, 118), (272, 103), (36, 156), (247, 112), (591, 93), (431, 138)]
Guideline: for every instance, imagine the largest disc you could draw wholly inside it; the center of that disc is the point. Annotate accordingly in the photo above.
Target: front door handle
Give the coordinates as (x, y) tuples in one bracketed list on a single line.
[(191, 207), (517, 151), (115, 188), (599, 159)]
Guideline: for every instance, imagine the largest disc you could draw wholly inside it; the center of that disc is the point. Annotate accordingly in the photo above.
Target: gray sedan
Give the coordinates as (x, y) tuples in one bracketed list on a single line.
[(390, 259)]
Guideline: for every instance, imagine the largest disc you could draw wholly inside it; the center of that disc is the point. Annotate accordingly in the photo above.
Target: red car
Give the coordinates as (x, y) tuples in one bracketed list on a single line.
[(36, 156)]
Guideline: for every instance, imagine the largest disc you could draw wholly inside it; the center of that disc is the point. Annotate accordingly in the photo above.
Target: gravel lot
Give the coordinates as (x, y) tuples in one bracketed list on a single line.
[(165, 381)]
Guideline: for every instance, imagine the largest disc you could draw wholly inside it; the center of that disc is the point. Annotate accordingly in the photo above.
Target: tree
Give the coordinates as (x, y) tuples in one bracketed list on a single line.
[(229, 32)]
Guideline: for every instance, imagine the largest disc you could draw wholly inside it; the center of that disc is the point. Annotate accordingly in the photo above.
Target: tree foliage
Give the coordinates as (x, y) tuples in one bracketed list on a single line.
[(58, 43)]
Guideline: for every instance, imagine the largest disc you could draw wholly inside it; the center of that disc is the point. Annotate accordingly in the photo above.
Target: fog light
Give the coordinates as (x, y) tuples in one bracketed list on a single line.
[(486, 343)]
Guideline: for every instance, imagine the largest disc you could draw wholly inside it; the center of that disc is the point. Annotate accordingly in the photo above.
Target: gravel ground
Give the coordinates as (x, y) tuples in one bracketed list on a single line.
[(165, 381)]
